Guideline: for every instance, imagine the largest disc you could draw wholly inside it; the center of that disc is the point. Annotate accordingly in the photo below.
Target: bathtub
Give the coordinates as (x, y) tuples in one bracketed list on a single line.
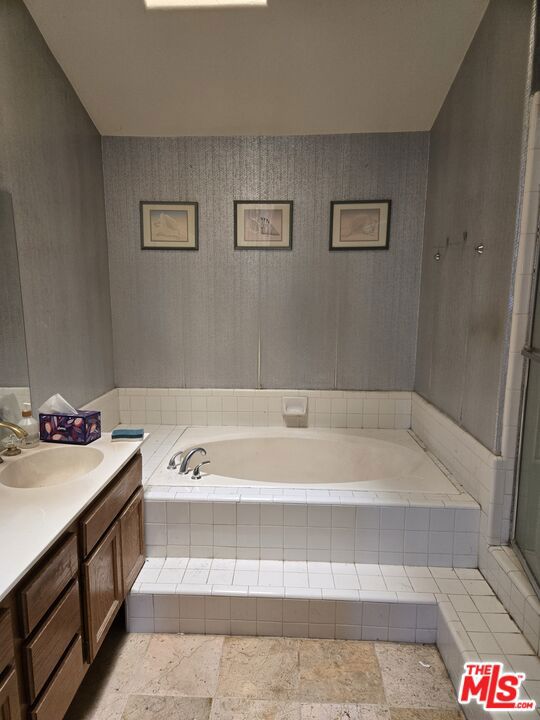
[(370, 460)]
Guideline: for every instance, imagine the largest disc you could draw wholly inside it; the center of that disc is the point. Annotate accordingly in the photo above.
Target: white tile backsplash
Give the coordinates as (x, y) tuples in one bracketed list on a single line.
[(262, 408), (109, 407)]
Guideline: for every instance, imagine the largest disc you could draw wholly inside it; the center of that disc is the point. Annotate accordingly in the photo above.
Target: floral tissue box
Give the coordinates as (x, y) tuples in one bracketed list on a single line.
[(80, 429)]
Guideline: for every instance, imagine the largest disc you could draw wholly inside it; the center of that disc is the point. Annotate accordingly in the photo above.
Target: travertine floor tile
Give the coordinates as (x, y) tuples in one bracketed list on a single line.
[(104, 692), (161, 677), (248, 709), (152, 707), (426, 714), (176, 665), (339, 671), (88, 705), (409, 684), (344, 712), (265, 669)]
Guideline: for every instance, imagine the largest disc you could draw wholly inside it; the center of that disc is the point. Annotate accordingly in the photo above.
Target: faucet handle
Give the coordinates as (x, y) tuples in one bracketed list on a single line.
[(12, 447), (172, 464), (197, 471)]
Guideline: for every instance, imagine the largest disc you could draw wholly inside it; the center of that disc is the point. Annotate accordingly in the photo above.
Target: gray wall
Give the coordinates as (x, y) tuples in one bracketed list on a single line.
[(50, 161), (13, 367), (321, 319), (473, 183)]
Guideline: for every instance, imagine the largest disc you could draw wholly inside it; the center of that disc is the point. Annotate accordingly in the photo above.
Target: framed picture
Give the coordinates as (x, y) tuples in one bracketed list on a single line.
[(358, 225), (169, 225), (263, 225)]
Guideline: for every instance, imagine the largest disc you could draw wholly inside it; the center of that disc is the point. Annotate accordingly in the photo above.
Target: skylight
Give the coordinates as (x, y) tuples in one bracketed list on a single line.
[(194, 4)]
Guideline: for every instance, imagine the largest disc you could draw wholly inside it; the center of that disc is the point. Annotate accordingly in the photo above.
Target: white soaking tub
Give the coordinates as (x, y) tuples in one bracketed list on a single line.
[(370, 460)]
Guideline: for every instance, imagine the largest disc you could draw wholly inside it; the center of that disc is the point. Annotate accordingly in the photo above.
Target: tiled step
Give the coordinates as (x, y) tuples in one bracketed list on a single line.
[(458, 645), (255, 523), (457, 609), (291, 599)]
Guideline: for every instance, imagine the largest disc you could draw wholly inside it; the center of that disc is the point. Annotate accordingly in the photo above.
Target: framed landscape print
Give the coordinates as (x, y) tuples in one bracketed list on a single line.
[(358, 225), (169, 225), (263, 225)]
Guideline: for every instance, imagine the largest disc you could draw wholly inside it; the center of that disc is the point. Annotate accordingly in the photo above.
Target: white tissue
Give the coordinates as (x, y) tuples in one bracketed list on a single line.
[(57, 405)]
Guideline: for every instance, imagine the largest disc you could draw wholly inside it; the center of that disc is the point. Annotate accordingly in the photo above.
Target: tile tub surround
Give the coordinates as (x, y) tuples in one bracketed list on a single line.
[(481, 473), (446, 592), (262, 527), (291, 523), (259, 408)]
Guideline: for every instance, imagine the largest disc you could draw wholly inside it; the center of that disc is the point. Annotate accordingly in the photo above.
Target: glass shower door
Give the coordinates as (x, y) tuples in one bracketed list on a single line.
[(527, 526)]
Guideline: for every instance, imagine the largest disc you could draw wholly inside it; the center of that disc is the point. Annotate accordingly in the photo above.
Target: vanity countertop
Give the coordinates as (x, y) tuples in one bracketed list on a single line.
[(31, 520)]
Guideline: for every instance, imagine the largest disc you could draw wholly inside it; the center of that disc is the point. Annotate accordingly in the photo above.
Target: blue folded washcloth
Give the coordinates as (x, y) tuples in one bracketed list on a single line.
[(127, 434)]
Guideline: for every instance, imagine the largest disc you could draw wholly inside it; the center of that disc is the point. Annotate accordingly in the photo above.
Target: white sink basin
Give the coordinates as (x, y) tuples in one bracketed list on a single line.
[(53, 466)]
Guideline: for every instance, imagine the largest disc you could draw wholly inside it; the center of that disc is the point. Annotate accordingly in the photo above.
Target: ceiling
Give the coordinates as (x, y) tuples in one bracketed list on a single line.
[(294, 67)]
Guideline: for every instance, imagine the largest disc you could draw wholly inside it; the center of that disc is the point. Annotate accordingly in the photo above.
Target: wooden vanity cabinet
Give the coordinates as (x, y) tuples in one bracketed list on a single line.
[(56, 619), (10, 708)]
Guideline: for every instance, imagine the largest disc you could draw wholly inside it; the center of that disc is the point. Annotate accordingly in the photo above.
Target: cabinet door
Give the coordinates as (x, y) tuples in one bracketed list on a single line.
[(9, 698), (132, 532), (103, 588)]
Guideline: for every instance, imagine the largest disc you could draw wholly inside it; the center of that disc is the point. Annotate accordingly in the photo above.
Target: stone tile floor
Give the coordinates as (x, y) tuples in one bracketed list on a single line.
[(193, 677)]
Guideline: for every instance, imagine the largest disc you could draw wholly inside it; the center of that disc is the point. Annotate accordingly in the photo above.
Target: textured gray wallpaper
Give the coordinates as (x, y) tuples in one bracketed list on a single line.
[(474, 167), (320, 319), (50, 162), (13, 367)]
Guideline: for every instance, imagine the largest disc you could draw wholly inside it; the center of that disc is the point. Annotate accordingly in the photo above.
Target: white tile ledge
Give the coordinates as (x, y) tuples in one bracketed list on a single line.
[(173, 493)]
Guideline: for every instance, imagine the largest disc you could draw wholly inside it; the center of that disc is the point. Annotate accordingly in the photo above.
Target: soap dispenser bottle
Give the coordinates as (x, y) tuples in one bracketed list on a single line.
[(31, 425)]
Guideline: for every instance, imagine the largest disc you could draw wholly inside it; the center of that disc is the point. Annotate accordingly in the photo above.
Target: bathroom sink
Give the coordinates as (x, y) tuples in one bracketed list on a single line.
[(54, 466)]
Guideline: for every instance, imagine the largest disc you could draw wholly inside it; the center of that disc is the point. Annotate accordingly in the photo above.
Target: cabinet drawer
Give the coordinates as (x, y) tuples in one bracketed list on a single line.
[(100, 517), (41, 592), (6, 640), (10, 708), (46, 648), (64, 684)]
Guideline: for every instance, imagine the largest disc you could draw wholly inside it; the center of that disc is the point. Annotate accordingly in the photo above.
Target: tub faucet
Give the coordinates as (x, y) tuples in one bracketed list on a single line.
[(187, 457)]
